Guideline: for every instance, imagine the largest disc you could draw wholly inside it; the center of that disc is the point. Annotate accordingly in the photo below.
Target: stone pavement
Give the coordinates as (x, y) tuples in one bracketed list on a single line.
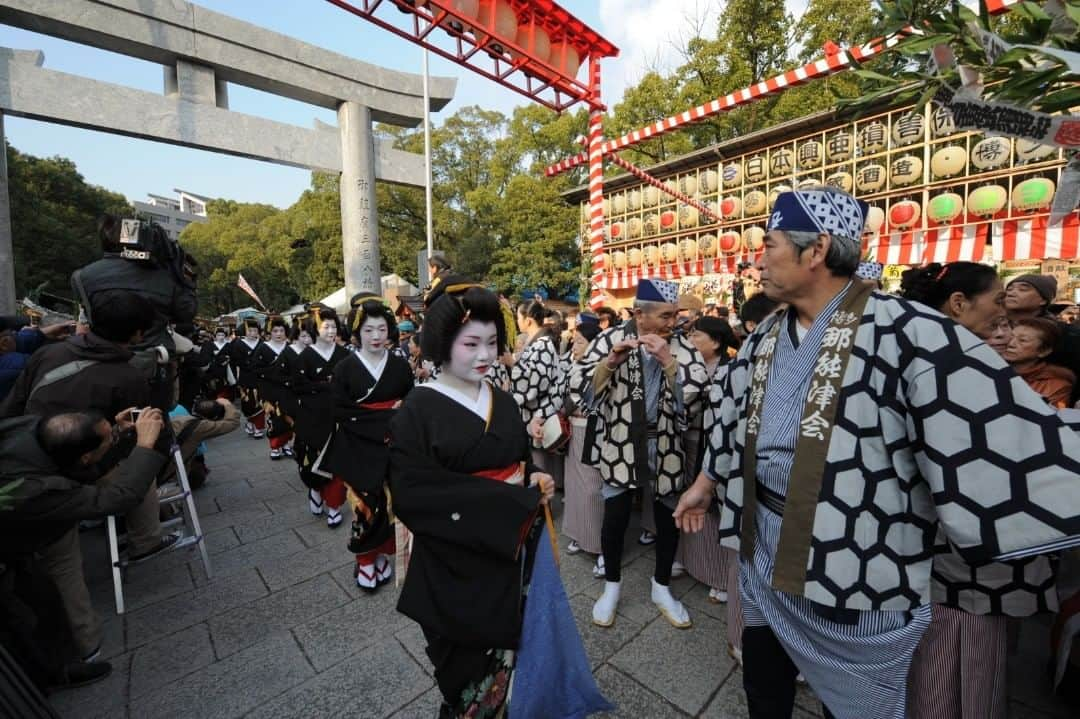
[(282, 630)]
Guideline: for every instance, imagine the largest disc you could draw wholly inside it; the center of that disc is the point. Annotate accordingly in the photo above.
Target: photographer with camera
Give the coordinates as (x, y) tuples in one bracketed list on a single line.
[(209, 418), (140, 258), (93, 372), (42, 462)]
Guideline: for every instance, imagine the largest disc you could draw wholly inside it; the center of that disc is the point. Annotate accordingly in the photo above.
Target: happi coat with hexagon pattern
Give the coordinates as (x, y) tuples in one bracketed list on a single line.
[(911, 425), (617, 433)]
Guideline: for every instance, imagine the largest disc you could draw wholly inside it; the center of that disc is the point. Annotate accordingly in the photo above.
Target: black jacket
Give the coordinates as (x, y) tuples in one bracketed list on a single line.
[(109, 386), (39, 504), (172, 301)]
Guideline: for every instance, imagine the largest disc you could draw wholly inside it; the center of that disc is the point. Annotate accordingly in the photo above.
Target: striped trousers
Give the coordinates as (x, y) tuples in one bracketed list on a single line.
[(959, 668), (583, 506)]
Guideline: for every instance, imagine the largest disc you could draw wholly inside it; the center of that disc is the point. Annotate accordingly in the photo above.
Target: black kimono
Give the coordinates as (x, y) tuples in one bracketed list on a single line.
[(314, 420), (241, 357), (274, 375), (466, 578), (218, 377), (358, 450)]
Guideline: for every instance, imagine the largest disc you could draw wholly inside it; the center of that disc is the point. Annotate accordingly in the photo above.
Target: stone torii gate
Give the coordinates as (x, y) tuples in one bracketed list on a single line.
[(201, 51)]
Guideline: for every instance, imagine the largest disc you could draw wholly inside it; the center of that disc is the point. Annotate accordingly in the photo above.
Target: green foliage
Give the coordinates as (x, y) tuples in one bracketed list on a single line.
[(1034, 77), (54, 215)]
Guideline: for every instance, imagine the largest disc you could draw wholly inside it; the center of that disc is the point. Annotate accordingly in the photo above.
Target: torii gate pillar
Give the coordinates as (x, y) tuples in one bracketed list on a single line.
[(359, 222)]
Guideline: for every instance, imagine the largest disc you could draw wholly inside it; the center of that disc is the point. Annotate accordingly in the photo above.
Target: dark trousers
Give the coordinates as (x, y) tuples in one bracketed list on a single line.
[(769, 676), (613, 533)]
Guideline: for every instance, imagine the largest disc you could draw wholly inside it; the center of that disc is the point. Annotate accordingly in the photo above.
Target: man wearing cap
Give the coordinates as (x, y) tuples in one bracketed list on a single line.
[(1031, 296), (406, 330), (643, 380), (851, 428)]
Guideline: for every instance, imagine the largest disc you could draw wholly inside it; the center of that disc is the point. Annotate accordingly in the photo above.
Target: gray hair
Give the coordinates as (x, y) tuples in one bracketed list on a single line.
[(842, 258), (651, 306)]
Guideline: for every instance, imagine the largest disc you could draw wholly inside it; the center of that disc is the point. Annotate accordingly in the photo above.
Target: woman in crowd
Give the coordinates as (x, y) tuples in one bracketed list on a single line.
[(314, 414), (583, 505), (272, 365), (700, 553), (463, 482), (218, 379), (368, 387), (300, 339), (241, 355), (969, 293), (959, 669), (1033, 340), (534, 377)]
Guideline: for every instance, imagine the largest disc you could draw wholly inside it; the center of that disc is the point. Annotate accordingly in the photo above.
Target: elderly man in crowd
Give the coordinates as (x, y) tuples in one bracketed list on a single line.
[(645, 379), (850, 428)]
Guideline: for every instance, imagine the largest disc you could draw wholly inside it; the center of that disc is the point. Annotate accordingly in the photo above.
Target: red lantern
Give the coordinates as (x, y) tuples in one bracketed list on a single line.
[(667, 221), (904, 215), (730, 242)]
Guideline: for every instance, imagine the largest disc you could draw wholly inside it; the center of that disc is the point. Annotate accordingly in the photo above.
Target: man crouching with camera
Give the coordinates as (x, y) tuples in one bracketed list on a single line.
[(39, 502)]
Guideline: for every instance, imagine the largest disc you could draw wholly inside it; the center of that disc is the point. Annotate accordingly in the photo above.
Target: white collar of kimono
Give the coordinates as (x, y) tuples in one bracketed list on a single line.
[(376, 369), (479, 406), (220, 344), (250, 343), (277, 347), (325, 355)]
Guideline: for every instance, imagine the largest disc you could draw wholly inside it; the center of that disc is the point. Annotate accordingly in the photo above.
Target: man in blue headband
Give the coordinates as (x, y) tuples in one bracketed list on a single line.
[(643, 380), (848, 431)]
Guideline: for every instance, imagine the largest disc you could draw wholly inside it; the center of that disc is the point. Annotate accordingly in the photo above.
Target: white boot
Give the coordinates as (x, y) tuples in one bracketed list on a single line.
[(672, 609), (603, 612)]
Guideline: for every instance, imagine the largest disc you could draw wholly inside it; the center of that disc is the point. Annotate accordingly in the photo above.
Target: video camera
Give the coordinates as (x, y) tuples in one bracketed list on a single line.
[(148, 242)]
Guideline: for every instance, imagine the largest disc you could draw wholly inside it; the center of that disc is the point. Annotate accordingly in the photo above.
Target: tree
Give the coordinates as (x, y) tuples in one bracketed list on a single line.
[(54, 214)]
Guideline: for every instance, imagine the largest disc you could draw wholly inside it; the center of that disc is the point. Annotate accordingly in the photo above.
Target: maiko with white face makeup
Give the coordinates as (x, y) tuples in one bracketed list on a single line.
[(368, 388), (314, 374), (475, 350), (373, 334), (462, 476), (327, 331)]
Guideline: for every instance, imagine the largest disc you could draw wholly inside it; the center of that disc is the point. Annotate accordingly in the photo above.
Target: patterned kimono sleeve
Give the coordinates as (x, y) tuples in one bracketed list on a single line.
[(722, 420), (530, 377), (581, 374), (1002, 468), (694, 382)]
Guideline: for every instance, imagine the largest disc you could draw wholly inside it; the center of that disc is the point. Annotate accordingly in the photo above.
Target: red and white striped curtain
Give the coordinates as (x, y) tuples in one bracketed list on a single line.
[(976, 240), (969, 238)]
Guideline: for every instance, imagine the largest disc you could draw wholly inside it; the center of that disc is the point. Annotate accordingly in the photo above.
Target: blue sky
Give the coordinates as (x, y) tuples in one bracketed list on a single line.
[(648, 32)]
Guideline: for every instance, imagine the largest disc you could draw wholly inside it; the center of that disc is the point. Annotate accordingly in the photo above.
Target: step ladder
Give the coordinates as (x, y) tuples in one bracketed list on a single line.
[(189, 517)]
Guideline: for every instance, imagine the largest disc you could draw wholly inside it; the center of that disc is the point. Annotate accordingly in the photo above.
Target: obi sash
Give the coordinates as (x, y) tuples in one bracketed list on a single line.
[(511, 474)]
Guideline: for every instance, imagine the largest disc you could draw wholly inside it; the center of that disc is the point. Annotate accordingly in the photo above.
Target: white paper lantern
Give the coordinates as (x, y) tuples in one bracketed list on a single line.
[(991, 153), (756, 203), (948, 161), (905, 170)]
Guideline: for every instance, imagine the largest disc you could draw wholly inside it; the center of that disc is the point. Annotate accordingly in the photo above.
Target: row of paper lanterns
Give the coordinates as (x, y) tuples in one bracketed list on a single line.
[(500, 16), (688, 249), (945, 163), (1034, 194)]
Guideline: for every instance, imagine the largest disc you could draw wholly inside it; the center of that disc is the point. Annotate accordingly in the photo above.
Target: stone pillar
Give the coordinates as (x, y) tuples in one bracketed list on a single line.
[(7, 254), (359, 220)]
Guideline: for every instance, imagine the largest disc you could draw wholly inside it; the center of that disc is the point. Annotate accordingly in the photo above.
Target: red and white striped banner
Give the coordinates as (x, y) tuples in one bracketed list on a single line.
[(1010, 239)]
